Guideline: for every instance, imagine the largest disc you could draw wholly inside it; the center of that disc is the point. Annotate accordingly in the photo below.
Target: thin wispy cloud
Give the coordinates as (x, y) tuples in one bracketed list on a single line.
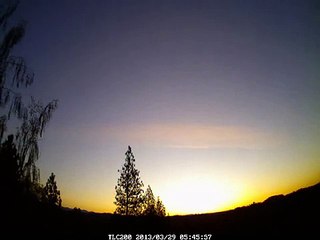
[(192, 136)]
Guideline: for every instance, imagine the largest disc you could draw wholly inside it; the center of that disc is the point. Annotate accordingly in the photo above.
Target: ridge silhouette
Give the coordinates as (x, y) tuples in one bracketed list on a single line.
[(294, 214)]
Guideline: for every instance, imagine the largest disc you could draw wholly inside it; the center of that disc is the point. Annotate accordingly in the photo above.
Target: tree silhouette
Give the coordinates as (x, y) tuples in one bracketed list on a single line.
[(20, 177), (51, 192), (14, 74), (13, 70), (129, 192), (9, 161), (160, 209), (149, 203), (27, 139)]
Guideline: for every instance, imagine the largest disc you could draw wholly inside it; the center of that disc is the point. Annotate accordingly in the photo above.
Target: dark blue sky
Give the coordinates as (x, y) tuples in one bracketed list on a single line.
[(109, 53), (167, 76)]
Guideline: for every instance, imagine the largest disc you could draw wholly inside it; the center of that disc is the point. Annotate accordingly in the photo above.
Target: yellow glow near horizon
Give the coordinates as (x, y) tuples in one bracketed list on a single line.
[(187, 196), (193, 196), (194, 171), (200, 192), (199, 196)]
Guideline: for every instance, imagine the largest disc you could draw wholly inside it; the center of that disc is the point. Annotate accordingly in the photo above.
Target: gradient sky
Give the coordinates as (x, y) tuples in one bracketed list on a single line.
[(219, 100)]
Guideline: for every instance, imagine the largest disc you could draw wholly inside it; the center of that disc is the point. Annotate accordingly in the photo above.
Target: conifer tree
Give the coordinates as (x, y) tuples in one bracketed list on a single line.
[(149, 203), (129, 192), (160, 209), (51, 192)]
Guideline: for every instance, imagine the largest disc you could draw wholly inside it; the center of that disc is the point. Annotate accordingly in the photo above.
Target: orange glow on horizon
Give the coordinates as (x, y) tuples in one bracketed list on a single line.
[(196, 196)]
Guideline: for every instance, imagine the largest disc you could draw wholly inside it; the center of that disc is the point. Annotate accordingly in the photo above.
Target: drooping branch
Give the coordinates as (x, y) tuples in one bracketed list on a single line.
[(30, 132)]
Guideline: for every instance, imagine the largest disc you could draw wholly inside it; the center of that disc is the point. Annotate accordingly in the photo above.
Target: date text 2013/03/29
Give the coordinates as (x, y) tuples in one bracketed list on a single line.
[(160, 237)]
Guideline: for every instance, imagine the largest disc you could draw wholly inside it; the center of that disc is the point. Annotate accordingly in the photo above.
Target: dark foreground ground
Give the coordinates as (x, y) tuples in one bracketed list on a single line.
[(293, 216)]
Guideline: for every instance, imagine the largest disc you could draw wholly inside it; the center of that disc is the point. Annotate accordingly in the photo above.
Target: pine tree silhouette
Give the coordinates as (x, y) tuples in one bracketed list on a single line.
[(149, 203), (51, 192), (129, 192)]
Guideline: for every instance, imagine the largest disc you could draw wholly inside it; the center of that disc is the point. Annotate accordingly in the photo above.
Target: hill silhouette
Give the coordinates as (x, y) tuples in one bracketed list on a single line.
[(294, 214), (290, 215)]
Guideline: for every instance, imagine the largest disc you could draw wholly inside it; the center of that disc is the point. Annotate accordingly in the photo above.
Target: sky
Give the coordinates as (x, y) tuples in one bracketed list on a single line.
[(219, 100)]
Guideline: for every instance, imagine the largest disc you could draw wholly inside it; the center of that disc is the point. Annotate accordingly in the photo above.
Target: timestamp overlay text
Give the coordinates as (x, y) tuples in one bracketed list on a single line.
[(159, 236)]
